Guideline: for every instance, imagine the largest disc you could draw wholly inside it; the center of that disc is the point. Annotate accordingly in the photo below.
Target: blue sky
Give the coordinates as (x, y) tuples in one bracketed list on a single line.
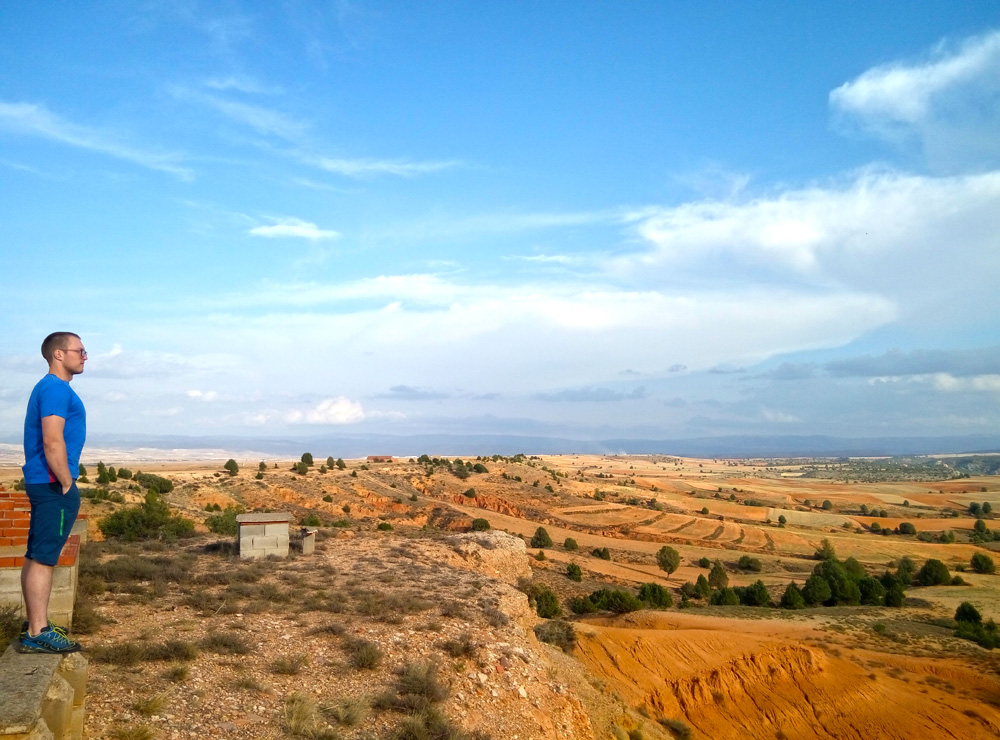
[(646, 219)]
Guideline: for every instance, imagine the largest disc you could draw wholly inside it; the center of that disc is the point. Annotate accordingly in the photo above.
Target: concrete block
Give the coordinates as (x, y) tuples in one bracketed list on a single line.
[(24, 685), (40, 731), (260, 543), (276, 530), (252, 530), (57, 708), (73, 669), (80, 528), (309, 543), (76, 723)]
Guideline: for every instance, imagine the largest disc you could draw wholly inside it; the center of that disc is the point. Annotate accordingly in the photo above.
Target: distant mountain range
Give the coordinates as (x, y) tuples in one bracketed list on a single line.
[(471, 445)]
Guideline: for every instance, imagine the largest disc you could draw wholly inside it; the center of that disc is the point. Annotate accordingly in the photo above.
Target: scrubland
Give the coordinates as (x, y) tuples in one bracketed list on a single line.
[(401, 625)]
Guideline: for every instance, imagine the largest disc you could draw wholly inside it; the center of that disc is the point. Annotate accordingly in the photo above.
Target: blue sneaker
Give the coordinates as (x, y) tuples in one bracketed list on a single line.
[(58, 628), (49, 641)]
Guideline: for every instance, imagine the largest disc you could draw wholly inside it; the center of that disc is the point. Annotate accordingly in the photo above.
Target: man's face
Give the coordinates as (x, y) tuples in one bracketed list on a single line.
[(72, 357)]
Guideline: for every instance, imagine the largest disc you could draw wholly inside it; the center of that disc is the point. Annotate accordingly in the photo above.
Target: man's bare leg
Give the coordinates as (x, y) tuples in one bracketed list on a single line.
[(36, 585)]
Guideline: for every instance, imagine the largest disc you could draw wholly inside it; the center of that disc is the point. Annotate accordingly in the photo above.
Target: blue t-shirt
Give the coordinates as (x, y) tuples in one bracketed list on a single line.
[(52, 396)]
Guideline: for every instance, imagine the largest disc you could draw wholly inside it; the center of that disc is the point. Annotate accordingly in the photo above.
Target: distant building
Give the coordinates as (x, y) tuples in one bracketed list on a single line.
[(380, 458)]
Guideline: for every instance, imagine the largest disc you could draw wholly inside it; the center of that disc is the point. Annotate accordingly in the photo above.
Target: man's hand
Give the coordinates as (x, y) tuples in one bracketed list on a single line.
[(55, 450)]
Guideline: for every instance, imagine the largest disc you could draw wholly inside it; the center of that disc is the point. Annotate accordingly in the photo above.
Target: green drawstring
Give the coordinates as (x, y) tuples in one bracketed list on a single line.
[(62, 519)]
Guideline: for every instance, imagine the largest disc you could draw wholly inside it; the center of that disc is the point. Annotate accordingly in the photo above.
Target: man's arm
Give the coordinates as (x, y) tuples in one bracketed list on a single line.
[(55, 450)]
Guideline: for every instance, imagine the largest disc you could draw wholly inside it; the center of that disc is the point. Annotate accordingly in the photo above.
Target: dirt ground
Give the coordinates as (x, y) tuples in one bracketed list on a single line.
[(720, 672)]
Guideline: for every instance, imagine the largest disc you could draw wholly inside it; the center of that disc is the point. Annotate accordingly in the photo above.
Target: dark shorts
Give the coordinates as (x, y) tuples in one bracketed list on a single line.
[(52, 517)]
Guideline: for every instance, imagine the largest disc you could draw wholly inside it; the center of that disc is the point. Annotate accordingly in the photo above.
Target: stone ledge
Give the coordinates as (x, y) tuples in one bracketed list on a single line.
[(43, 695)]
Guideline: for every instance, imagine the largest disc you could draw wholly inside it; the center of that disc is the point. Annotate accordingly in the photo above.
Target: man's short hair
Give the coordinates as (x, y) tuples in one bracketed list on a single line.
[(56, 340)]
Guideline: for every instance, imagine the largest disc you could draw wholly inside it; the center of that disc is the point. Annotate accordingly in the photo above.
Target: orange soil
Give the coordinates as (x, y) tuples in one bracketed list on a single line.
[(730, 678)]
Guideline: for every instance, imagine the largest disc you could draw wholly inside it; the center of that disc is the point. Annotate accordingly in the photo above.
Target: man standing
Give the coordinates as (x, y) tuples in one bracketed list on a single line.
[(55, 428)]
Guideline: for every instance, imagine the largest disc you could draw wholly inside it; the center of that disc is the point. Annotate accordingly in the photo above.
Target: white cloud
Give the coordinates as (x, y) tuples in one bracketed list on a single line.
[(294, 228), (241, 83), (338, 410), (36, 120), (206, 396), (906, 92), (366, 167), (950, 103), (951, 384)]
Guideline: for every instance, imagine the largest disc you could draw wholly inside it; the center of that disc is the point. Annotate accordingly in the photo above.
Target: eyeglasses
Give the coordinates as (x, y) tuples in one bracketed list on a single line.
[(83, 352)]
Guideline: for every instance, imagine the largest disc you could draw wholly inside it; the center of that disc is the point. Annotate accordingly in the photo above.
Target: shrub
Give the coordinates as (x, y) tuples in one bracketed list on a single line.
[(231, 466), (704, 510), (792, 598), (601, 552), (224, 523), (151, 519), (541, 538), (574, 572), (755, 594), (363, 654), (301, 468), (469, 493), (311, 520), (827, 505), (307, 458), (570, 544), (982, 563), (656, 596), (384, 527), (480, 525), (668, 559), (907, 528), (826, 551), (328, 498), (619, 602), (557, 632), (748, 563), (872, 591), (984, 635), (225, 643), (704, 563), (966, 612), (717, 577), (725, 597), (933, 573), (782, 520), (816, 590), (702, 589), (905, 570), (678, 728)]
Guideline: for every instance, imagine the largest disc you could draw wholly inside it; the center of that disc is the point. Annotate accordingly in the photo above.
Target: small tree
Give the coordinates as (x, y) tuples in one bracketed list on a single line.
[(816, 590), (330, 462), (827, 505), (933, 573), (783, 520), (231, 466), (755, 594), (261, 466), (966, 612), (668, 559), (301, 468), (574, 572), (307, 458), (826, 551), (541, 539), (480, 525), (717, 577), (792, 598), (907, 528), (570, 544), (655, 595), (987, 507), (341, 464), (982, 563)]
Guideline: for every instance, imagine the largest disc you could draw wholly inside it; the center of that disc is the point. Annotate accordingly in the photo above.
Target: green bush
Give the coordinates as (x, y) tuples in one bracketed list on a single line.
[(151, 519), (311, 520), (872, 591), (307, 458), (619, 602), (725, 597), (157, 483), (717, 577), (570, 544), (385, 526), (224, 523), (231, 466), (480, 525), (748, 563), (982, 563), (541, 538), (816, 590), (984, 635), (656, 596), (543, 599), (704, 563), (601, 552), (933, 573), (966, 612), (907, 528), (574, 572), (792, 598)]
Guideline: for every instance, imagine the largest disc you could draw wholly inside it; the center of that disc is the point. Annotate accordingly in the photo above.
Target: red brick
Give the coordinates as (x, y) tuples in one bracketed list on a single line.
[(6, 505), (7, 542), (11, 561), (17, 533)]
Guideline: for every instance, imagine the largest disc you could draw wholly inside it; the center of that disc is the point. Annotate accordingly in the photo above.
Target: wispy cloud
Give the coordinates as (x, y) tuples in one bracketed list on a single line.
[(264, 121), (241, 83), (364, 167), (593, 395), (294, 228), (411, 393), (29, 119)]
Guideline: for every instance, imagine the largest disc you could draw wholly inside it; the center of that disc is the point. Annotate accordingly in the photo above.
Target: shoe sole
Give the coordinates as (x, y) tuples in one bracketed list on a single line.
[(20, 647)]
